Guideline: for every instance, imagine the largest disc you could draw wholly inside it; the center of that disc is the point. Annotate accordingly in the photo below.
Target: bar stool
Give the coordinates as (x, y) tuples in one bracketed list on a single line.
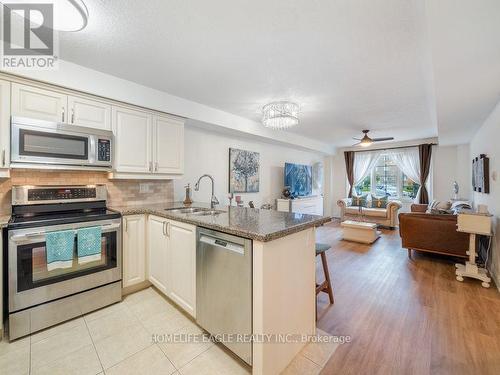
[(325, 286)]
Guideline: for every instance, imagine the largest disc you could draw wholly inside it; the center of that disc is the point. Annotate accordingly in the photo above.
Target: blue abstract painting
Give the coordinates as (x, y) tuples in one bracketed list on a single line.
[(299, 179)]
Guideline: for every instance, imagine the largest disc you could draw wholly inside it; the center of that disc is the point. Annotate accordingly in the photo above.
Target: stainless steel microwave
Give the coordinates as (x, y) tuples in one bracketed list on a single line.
[(37, 143)]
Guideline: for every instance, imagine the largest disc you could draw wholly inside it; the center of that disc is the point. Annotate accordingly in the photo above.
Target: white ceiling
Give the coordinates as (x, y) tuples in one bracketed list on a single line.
[(465, 40), (393, 66)]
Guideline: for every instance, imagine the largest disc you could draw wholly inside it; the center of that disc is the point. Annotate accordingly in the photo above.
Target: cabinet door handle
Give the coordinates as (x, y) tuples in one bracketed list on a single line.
[(164, 229), (125, 221), (151, 166), (62, 114), (3, 158), (156, 166), (72, 115), (168, 229)]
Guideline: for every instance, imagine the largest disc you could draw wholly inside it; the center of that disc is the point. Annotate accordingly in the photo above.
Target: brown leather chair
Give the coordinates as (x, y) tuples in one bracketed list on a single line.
[(432, 233)]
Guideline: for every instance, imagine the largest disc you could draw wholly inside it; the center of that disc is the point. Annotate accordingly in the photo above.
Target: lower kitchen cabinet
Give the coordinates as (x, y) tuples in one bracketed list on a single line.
[(157, 252), (172, 260), (182, 265), (134, 250)]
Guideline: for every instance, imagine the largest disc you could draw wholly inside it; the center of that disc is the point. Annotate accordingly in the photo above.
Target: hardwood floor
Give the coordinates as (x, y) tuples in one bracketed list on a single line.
[(405, 316)]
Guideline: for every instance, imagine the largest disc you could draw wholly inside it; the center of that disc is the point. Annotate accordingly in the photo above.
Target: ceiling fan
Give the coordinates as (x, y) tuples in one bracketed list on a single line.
[(367, 141)]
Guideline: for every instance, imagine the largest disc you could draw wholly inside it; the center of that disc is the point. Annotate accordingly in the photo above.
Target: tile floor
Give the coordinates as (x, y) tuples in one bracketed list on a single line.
[(118, 340)]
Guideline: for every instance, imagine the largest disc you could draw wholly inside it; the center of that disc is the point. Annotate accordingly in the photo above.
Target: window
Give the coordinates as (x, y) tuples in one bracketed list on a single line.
[(410, 188), (386, 179), (364, 186), (386, 174)]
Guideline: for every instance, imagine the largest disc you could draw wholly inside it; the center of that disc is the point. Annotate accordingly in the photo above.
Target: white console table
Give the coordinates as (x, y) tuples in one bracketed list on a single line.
[(474, 224), (307, 205)]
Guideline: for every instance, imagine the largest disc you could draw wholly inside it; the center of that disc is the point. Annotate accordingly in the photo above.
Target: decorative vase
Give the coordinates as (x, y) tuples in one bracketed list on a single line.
[(286, 193)]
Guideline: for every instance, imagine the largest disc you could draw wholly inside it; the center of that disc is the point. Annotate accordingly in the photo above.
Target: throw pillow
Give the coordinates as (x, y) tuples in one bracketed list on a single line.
[(433, 204), (460, 204), (359, 201), (446, 205), (437, 211), (379, 202)]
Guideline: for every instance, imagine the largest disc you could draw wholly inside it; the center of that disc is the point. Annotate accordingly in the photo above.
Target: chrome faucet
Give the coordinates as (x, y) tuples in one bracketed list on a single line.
[(213, 200)]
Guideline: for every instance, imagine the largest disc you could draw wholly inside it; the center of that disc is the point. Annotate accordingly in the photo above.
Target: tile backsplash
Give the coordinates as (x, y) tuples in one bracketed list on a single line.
[(120, 192)]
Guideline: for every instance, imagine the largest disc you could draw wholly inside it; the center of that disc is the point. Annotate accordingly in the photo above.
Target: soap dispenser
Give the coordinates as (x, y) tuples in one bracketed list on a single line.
[(188, 201)]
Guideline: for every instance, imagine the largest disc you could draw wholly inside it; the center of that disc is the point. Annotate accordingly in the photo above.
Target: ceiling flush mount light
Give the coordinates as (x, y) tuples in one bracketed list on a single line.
[(280, 115), (69, 15)]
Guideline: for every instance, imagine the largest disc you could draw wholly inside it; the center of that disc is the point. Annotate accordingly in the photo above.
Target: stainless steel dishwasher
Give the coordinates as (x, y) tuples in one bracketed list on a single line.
[(224, 288)]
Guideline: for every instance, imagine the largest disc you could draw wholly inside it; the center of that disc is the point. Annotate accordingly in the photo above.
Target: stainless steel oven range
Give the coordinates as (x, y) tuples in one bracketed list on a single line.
[(43, 292)]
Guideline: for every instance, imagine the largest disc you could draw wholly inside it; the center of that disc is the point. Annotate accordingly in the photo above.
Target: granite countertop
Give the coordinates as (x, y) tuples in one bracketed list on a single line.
[(260, 225)]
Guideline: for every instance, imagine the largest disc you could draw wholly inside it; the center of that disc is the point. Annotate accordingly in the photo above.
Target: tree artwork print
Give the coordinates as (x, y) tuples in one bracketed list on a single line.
[(243, 171)]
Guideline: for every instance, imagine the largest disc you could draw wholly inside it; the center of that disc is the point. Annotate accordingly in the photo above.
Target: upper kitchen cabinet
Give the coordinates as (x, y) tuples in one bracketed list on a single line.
[(147, 146), (4, 128), (42, 104), (89, 113), (132, 130), (168, 139), (32, 102)]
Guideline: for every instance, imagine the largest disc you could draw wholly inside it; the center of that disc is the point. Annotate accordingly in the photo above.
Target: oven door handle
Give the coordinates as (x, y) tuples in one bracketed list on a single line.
[(30, 236)]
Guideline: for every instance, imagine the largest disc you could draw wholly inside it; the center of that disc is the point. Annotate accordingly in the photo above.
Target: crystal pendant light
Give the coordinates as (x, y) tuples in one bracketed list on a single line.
[(69, 15), (280, 115)]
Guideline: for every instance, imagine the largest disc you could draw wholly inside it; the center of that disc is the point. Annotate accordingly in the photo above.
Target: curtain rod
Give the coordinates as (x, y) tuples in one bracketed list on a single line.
[(393, 148)]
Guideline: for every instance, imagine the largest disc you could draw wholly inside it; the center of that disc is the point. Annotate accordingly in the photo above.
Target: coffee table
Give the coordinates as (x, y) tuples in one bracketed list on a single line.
[(360, 231)]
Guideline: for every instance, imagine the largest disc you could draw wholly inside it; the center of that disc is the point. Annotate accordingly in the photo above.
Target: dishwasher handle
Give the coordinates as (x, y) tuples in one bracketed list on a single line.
[(227, 245)]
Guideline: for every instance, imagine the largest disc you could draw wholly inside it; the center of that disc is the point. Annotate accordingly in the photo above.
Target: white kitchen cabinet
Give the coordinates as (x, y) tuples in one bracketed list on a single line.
[(168, 141), (132, 130), (134, 250), (4, 128), (181, 265), (172, 260), (90, 113), (157, 252), (146, 145), (33, 102)]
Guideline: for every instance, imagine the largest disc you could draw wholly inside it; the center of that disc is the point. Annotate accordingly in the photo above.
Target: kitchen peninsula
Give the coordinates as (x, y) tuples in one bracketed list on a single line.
[(281, 268)]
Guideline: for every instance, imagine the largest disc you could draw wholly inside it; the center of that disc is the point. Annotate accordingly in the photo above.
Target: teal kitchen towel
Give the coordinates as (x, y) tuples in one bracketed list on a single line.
[(59, 248), (89, 244)]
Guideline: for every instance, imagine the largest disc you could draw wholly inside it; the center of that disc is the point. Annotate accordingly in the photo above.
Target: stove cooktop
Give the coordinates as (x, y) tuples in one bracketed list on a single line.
[(57, 218)]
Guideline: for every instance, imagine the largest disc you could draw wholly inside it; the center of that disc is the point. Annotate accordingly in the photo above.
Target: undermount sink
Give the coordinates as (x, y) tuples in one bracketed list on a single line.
[(189, 210), (208, 212)]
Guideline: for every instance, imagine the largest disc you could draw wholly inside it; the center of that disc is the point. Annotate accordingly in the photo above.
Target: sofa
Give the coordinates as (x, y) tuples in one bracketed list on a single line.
[(386, 217), (433, 233)]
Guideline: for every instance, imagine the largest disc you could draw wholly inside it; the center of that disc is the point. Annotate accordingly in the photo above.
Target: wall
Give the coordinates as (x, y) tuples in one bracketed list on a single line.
[(120, 192), (208, 152), (77, 77), (485, 141), (450, 163)]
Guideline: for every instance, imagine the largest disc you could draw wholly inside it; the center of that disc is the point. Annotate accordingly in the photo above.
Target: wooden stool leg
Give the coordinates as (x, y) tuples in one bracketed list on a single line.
[(327, 276), (409, 253)]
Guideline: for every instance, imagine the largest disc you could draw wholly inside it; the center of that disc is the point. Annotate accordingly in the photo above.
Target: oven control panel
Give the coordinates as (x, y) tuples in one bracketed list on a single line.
[(26, 195), (104, 150), (55, 194)]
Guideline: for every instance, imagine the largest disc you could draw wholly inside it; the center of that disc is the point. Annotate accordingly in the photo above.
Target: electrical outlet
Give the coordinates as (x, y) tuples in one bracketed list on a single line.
[(144, 188)]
